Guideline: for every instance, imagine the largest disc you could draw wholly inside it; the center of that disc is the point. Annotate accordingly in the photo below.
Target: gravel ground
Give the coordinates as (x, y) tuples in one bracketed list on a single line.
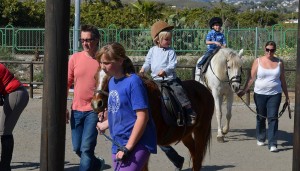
[(239, 152)]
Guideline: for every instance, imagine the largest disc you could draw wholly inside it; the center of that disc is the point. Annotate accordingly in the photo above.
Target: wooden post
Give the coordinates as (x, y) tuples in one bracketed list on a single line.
[(52, 153), (296, 138), (31, 80)]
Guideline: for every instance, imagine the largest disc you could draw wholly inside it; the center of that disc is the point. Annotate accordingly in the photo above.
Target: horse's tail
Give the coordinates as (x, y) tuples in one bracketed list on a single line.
[(202, 129)]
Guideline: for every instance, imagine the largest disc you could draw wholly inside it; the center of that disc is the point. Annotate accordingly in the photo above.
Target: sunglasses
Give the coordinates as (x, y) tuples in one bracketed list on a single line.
[(86, 40), (270, 50)]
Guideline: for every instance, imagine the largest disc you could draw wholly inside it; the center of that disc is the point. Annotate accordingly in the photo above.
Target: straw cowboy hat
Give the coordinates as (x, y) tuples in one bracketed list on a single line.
[(159, 26)]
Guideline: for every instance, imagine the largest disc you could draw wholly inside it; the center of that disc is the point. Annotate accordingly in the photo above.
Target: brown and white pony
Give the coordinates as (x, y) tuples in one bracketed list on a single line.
[(196, 138)]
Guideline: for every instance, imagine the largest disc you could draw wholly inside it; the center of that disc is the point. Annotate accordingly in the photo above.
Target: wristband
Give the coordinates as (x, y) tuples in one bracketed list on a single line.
[(125, 151)]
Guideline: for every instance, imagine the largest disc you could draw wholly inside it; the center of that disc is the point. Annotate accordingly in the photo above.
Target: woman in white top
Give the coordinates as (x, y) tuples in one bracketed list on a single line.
[(268, 73)]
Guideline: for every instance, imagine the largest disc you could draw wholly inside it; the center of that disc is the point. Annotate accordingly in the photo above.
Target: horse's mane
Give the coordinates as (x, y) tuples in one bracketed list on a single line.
[(128, 70), (226, 55)]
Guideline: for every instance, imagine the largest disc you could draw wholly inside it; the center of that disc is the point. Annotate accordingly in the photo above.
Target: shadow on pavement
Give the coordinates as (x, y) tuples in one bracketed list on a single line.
[(27, 165), (214, 168), (36, 166), (75, 167), (250, 134)]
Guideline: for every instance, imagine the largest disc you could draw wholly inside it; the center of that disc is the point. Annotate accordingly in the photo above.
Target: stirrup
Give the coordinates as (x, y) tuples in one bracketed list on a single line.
[(180, 121)]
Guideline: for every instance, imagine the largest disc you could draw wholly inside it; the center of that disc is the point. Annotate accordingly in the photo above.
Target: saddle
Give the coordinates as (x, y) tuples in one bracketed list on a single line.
[(205, 65), (172, 112)]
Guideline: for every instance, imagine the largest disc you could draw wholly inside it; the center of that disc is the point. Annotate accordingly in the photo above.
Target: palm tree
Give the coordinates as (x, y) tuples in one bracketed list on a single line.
[(148, 10)]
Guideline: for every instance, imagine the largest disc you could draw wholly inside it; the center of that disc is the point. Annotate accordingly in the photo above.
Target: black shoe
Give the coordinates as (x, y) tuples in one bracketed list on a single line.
[(179, 168), (199, 67), (99, 164)]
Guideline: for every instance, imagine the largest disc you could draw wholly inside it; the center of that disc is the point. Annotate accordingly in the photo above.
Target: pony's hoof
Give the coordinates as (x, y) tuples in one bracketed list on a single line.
[(220, 139), (225, 131)]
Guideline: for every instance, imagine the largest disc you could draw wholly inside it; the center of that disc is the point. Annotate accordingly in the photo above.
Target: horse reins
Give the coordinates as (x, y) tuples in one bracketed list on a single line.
[(102, 92), (285, 105), (236, 78)]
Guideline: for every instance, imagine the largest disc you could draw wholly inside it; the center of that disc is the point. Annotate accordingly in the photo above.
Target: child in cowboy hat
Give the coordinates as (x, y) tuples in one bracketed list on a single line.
[(162, 60), (215, 39)]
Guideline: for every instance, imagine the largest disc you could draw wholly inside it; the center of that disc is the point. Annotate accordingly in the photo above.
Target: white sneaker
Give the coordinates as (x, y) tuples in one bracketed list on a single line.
[(259, 143), (273, 149)]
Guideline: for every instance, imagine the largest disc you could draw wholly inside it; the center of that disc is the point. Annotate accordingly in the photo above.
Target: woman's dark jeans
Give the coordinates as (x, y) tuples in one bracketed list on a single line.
[(268, 106)]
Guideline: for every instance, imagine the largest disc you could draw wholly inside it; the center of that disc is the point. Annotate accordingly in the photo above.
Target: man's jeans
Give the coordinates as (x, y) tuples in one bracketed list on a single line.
[(268, 106), (84, 137), (173, 156)]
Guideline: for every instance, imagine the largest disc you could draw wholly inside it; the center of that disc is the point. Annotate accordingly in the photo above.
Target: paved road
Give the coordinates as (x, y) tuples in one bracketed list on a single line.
[(238, 153)]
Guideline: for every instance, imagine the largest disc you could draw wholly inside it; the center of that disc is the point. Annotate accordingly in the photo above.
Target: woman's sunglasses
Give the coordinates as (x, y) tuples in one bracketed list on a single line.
[(270, 50)]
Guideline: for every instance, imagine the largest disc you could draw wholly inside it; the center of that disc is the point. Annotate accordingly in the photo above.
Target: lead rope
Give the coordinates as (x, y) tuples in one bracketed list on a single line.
[(286, 104), (118, 163)]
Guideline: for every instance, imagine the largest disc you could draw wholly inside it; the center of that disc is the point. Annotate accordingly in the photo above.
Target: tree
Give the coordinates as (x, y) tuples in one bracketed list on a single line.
[(27, 13), (148, 10)]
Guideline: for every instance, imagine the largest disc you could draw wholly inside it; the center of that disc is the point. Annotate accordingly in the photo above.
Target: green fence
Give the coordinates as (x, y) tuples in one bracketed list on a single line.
[(138, 41)]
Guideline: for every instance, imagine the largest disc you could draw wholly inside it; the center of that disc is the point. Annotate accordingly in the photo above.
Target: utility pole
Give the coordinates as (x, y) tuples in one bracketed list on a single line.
[(53, 132), (296, 137), (76, 26)]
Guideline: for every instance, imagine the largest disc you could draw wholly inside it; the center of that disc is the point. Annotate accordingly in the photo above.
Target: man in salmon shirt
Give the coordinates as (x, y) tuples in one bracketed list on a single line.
[(81, 71), (15, 99)]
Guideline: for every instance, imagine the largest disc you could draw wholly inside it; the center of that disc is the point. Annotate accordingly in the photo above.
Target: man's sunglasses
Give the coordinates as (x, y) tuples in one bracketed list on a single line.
[(86, 40), (270, 50)]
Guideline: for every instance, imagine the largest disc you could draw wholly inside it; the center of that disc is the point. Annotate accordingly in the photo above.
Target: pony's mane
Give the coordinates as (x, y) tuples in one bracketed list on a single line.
[(232, 57), (105, 80), (225, 56)]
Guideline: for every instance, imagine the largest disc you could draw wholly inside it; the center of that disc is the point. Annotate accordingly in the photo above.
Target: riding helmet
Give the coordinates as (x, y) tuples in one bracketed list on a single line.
[(159, 26), (215, 20)]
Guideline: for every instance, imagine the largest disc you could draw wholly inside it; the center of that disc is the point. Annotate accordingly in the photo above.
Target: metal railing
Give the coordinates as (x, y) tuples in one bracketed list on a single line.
[(30, 83), (138, 41), (189, 69)]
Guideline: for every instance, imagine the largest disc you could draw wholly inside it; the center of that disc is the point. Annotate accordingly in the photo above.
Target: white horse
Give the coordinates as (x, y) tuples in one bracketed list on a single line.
[(223, 78)]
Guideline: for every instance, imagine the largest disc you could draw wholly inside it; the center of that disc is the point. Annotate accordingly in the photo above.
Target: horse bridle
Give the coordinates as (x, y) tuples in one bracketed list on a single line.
[(236, 78), (101, 92)]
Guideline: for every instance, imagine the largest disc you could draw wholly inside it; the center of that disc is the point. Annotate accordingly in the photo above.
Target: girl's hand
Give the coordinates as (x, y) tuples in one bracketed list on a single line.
[(102, 115), (102, 126), (122, 154), (119, 155)]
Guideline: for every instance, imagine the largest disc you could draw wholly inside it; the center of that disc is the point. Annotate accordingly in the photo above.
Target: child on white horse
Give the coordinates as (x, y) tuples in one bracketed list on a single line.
[(215, 39), (162, 60)]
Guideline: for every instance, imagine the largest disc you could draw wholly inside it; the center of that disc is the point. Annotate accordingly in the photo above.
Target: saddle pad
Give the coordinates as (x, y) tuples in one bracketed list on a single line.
[(172, 112)]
